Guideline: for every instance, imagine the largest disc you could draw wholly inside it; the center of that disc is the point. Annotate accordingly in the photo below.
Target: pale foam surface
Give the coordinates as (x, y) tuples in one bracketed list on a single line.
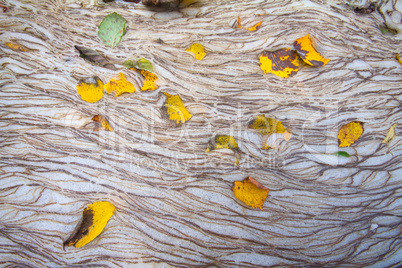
[(174, 201)]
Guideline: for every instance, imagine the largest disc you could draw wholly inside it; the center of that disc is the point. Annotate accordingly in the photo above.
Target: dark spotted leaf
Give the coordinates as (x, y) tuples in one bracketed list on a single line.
[(94, 57)]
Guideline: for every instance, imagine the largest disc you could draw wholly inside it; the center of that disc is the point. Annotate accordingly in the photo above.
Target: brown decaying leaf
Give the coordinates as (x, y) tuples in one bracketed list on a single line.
[(365, 10), (104, 124), (94, 57)]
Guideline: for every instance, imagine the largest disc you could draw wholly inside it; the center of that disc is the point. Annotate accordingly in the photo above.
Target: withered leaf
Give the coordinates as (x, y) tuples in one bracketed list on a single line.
[(308, 53), (94, 57), (224, 142), (104, 124), (90, 89), (173, 109), (250, 192), (283, 62), (365, 10), (390, 134), (350, 133), (16, 47), (94, 219)]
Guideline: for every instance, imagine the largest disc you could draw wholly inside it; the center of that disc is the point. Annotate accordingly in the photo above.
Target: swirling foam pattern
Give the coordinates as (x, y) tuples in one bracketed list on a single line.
[(174, 203)]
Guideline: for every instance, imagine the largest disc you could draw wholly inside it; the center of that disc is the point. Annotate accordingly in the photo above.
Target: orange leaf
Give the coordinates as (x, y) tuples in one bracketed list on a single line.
[(283, 62), (350, 133), (238, 23), (308, 53), (120, 86), (103, 122), (251, 192), (16, 46), (255, 27)]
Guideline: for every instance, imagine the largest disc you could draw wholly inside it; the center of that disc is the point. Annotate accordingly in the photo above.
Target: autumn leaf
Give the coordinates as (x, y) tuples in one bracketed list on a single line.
[(283, 62), (350, 133), (266, 126), (398, 58), (308, 53), (112, 29), (94, 57), (255, 27), (94, 219), (91, 89), (251, 29), (174, 110), (224, 142), (16, 47), (149, 79), (198, 51), (238, 23), (250, 192), (365, 10), (103, 122), (390, 135), (120, 86)]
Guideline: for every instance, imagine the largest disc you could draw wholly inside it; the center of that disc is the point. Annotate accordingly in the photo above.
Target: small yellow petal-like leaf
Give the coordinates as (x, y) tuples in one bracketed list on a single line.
[(16, 46), (103, 122), (198, 51), (174, 110), (255, 27), (283, 62), (91, 89), (390, 135), (94, 219), (120, 86), (149, 82), (250, 192), (350, 133), (308, 53), (225, 142), (398, 58), (266, 126), (238, 23)]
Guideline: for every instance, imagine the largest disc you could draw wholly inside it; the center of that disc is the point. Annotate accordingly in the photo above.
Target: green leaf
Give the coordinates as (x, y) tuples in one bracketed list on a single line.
[(129, 64), (111, 29), (341, 153), (144, 64)]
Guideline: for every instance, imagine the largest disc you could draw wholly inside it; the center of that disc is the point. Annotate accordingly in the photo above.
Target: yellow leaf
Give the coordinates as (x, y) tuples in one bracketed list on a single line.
[(120, 86), (266, 126), (198, 51), (94, 219), (283, 62), (398, 58), (255, 27), (238, 23), (350, 133), (250, 192), (16, 46), (174, 109), (390, 135), (308, 53), (224, 142), (103, 122), (91, 89), (149, 82)]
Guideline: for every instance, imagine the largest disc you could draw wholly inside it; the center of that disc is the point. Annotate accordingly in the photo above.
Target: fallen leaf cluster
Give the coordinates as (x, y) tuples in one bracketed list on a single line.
[(284, 62)]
